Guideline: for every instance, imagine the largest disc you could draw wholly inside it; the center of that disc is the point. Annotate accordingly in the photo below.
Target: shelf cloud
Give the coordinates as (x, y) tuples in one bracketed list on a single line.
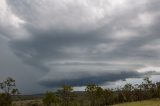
[(78, 42)]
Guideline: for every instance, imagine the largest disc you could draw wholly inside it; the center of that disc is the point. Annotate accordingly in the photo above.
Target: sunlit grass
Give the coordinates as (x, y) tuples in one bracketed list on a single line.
[(154, 102)]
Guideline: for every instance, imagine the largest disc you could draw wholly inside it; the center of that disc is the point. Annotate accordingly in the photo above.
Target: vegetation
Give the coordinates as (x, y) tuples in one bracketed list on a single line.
[(93, 95), (50, 99), (67, 95), (8, 88), (153, 102)]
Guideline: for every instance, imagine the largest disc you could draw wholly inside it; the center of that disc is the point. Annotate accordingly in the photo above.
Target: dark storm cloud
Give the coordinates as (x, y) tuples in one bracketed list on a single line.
[(64, 37), (38, 49), (98, 79), (88, 79)]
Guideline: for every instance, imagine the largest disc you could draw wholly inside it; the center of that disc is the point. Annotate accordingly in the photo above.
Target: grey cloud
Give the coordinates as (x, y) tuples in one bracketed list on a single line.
[(99, 79), (60, 31), (89, 79)]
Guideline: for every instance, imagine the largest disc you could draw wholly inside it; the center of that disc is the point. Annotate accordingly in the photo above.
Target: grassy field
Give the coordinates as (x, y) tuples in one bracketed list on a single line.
[(154, 102), (28, 103)]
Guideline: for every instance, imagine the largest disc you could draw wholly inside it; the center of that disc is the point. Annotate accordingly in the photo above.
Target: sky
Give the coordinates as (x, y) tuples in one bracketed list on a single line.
[(45, 44)]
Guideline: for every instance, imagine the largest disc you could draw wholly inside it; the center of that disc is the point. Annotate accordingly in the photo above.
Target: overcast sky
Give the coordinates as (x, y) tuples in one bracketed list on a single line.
[(48, 43)]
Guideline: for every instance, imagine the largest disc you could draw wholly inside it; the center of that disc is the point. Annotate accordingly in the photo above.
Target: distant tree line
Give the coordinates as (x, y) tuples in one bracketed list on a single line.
[(93, 95)]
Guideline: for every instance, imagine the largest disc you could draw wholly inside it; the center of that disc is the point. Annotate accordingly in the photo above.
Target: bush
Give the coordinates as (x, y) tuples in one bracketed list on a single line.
[(5, 100), (8, 88), (50, 99)]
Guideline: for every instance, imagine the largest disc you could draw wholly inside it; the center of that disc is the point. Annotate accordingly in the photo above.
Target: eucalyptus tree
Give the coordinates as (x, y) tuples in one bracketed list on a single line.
[(109, 97), (99, 95), (128, 92), (67, 95), (8, 89), (158, 89), (90, 90), (147, 86), (96, 94), (51, 99)]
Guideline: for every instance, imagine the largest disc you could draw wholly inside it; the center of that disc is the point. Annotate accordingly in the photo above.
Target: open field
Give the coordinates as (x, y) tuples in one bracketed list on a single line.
[(154, 102), (28, 103)]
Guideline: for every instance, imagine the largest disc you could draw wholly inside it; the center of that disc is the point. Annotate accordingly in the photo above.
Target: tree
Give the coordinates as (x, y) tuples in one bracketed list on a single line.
[(8, 88), (158, 89), (138, 92), (67, 95), (108, 97), (147, 85), (95, 94), (127, 91), (90, 90), (50, 99), (99, 96)]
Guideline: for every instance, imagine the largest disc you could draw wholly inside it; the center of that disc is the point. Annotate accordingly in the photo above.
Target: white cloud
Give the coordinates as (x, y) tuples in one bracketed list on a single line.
[(149, 68), (10, 24)]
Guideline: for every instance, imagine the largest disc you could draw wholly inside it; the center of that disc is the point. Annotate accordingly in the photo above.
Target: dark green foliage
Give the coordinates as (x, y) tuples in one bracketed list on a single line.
[(8, 88), (97, 96), (34, 104), (50, 99), (67, 95), (94, 95), (158, 89), (5, 100), (91, 91), (108, 97)]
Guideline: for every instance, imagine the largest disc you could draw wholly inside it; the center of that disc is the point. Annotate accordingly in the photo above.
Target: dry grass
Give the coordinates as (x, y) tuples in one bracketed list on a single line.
[(28, 103), (154, 102)]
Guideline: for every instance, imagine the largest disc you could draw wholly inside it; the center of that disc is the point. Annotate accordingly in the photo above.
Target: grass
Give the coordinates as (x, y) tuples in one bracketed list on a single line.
[(28, 103), (154, 102)]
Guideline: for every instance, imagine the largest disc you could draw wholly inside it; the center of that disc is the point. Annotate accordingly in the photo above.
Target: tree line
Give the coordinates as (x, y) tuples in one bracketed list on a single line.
[(93, 95)]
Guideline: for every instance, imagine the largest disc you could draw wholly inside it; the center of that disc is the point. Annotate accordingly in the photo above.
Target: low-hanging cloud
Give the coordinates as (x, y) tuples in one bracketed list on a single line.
[(86, 78)]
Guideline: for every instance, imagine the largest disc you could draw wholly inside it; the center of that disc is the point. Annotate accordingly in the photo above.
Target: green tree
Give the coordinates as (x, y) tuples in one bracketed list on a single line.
[(147, 85), (67, 95), (128, 92), (8, 88), (50, 99), (108, 97), (90, 90), (99, 96), (138, 92), (95, 94), (158, 89)]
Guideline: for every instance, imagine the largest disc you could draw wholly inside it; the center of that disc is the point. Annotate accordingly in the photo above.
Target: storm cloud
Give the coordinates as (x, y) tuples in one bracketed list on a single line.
[(79, 42)]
